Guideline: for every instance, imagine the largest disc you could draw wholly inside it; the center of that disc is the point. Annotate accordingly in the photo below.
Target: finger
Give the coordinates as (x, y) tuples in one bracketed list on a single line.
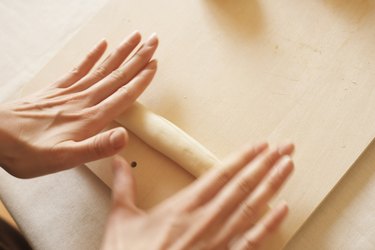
[(245, 182), (253, 238), (84, 67), (271, 184), (226, 201), (247, 214), (111, 63), (116, 104), (287, 149), (94, 148), (124, 189), (123, 203), (126, 73), (208, 185)]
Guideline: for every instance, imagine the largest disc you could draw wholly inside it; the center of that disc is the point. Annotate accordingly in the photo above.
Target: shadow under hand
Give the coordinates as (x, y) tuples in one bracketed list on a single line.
[(241, 17), (355, 10)]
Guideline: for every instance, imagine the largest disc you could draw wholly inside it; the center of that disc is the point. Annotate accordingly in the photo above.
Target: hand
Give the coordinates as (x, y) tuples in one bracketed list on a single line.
[(221, 210), (57, 128)]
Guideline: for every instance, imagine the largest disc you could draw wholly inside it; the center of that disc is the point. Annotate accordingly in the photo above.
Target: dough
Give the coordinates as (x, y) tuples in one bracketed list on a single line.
[(168, 139)]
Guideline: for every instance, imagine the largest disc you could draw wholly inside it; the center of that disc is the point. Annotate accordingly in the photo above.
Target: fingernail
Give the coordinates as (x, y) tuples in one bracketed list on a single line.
[(102, 40), (286, 164), (117, 139), (134, 38), (283, 203), (286, 160), (100, 43), (153, 64), (283, 207), (117, 162), (261, 146), (135, 34), (152, 40), (286, 148)]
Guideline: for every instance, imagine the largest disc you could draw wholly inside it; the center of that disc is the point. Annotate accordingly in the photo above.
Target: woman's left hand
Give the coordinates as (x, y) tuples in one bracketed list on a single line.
[(57, 128), (221, 210)]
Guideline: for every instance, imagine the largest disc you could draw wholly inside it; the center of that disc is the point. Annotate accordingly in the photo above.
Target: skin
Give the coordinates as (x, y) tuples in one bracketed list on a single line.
[(221, 210), (57, 128), (60, 127)]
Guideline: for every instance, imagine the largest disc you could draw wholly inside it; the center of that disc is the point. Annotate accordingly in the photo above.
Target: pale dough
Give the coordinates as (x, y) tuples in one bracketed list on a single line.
[(168, 139)]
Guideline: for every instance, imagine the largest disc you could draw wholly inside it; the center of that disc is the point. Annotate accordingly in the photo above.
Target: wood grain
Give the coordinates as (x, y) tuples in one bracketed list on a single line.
[(238, 71), (345, 220)]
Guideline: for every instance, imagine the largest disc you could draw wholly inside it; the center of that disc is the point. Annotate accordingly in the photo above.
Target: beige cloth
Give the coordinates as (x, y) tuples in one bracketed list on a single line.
[(61, 211), (68, 210)]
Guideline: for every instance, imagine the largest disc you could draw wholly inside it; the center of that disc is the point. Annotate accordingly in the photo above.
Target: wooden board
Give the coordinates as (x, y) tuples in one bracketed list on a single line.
[(234, 71), (346, 219)]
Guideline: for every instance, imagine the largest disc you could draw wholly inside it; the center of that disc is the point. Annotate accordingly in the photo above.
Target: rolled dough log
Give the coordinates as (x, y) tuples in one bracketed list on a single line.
[(168, 139)]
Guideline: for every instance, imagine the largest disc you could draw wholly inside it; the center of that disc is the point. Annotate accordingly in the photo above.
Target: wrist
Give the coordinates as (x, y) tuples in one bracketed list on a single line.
[(6, 141)]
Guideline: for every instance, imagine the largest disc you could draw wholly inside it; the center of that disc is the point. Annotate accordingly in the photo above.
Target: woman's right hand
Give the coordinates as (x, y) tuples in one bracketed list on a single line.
[(221, 210)]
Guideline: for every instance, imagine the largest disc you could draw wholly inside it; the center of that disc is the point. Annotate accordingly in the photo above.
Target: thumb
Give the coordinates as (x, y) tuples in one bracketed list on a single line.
[(94, 148), (123, 188)]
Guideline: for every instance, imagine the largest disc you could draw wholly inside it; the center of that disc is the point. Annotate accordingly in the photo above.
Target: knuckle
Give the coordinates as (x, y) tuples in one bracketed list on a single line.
[(101, 72), (212, 244), (83, 98), (76, 72), (251, 243), (83, 95), (83, 114), (273, 183), (272, 155), (87, 116), (125, 92), (266, 227), (71, 98), (119, 199), (91, 113), (276, 180), (70, 116), (245, 156), (125, 47), (118, 75), (97, 147), (245, 185), (131, 43), (91, 55), (249, 211), (142, 54), (175, 222), (224, 176)]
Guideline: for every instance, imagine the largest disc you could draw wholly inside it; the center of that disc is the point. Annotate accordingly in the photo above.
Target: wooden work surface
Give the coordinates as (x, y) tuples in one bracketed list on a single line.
[(237, 71)]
